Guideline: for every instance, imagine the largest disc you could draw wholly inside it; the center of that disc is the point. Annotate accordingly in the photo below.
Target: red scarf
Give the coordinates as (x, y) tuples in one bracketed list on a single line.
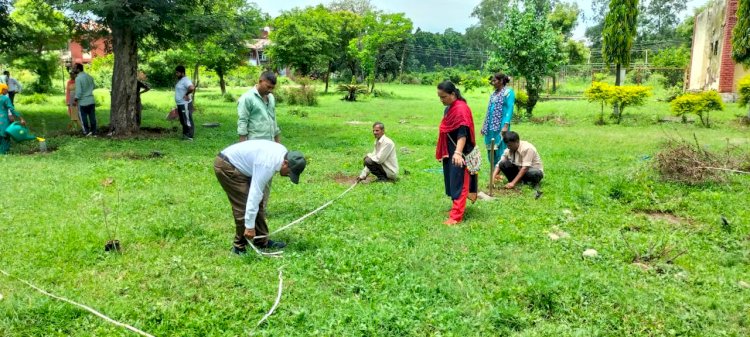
[(458, 115)]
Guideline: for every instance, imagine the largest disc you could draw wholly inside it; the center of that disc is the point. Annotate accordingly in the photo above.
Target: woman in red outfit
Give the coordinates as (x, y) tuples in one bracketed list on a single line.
[(456, 140)]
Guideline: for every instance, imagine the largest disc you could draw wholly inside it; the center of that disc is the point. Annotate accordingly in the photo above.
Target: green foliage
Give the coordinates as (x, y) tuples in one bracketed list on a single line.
[(700, 104), (673, 93), (522, 100), (305, 39), (304, 94), (673, 57), (576, 52), (351, 90), (743, 89), (474, 79), (40, 31), (380, 30), (528, 47), (35, 98), (101, 70), (740, 35), (564, 17), (159, 68), (639, 75), (619, 32), (659, 19), (228, 97)]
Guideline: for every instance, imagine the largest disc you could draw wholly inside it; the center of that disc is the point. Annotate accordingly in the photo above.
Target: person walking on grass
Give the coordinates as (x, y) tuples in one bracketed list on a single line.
[(8, 115), (455, 140), (520, 163), (381, 162), (13, 86), (243, 170), (84, 99), (499, 116), (182, 97), (70, 89), (256, 111)]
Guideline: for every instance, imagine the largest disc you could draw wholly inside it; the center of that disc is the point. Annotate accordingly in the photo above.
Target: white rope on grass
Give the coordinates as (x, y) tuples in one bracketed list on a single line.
[(723, 169), (87, 308), (275, 304)]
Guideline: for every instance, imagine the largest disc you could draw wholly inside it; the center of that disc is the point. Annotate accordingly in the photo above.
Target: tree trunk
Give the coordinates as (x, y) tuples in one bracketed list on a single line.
[(124, 82), (533, 94), (196, 80), (554, 83), (328, 75), (222, 84), (618, 81)]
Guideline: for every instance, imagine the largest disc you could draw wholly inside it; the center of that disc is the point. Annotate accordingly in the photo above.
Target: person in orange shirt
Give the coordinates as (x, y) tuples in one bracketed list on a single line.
[(70, 89)]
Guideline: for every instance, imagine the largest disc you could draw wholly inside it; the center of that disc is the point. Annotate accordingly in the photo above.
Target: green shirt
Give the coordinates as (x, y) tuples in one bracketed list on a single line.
[(84, 89), (257, 119), (6, 108)]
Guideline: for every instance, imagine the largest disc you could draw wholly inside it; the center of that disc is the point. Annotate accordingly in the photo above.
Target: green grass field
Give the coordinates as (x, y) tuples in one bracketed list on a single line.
[(377, 262)]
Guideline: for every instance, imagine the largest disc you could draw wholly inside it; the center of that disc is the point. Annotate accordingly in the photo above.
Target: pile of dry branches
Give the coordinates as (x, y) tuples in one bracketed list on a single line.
[(687, 162)]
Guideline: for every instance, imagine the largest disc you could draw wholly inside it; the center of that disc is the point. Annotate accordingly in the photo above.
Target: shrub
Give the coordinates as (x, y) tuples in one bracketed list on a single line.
[(409, 79), (627, 95), (522, 98), (600, 77), (304, 94), (298, 112), (35, 98), (673, 93), (101, 70), (639, 75), (243, 76), (674, 57), (229, 98), (474, 79), (351, 90), (699, 104), (598, 91), (744, 90), (383, 94)]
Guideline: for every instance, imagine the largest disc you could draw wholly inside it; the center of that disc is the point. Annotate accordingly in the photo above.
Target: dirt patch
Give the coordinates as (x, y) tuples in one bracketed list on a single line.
[(556, 120), (36, 150), (664, 216), (344, 179), (357, 123), (132, 155)]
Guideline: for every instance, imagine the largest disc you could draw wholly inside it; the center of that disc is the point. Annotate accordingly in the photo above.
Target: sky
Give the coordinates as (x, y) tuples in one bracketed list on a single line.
[(434, 15)]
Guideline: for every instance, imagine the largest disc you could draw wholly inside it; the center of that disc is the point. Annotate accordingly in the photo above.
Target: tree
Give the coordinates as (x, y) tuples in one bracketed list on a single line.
[(305, 39), (564, 17), (528, 48), (129, 23), (491, 14), (39, 31), (359, 7), (619, 33), (659, 19), (741, 34), (380, 29), (349, 27), (225, 50), (6, 33), (594, 32), (576, 52)]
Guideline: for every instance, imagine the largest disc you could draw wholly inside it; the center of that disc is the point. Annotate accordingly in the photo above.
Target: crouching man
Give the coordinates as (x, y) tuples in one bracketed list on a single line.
[(382, 161), (520, 162), (243, 170)]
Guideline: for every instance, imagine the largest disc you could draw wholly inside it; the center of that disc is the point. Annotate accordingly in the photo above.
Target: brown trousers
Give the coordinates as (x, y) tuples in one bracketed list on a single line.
[(237, 187)]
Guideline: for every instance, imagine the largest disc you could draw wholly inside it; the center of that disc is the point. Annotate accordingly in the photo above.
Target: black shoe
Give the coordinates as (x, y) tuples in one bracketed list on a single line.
[(274, 245), (239, 251)]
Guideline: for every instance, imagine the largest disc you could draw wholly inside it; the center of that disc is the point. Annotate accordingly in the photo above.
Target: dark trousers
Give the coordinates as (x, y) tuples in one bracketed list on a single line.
[(237, 187), (12, 96), (376, 169), (533, 176), (185, 111), (453, 176), (87, 115)]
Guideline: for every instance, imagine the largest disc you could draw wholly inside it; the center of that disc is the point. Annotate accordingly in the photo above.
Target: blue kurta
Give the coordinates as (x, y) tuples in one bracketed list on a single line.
[(6, 109)]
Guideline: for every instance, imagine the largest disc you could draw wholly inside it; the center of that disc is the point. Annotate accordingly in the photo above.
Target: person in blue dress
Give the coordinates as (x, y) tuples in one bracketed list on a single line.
[(499, 115)]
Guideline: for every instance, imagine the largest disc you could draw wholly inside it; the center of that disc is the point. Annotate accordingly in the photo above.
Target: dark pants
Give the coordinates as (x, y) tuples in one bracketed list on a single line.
[(185, 111), (87, 115), (453, 176), (237, 187), (12, 95), (376, 169), (533, 176)]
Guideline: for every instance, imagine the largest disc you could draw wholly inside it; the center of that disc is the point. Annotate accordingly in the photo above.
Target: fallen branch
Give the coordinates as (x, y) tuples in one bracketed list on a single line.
[(275, 304), (89, 309), (723, 169)]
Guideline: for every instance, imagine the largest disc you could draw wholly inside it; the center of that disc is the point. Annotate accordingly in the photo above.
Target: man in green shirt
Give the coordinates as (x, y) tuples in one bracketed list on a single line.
[(257, 111), (8, 114), (84, 98)]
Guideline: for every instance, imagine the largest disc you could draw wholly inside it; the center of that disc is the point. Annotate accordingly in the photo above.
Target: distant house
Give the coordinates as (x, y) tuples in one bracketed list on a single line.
[(711, 64), (257, 47), (75, 53)]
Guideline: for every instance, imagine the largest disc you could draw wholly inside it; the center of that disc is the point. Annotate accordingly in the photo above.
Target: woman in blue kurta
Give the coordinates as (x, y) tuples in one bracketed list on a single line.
[(8, 114), (499, 115)]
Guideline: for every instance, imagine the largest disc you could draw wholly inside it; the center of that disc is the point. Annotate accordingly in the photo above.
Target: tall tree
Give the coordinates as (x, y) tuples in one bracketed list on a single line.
[(594, 31), (619, 33), (380, 30), (741, 35), (527, 47), (161, 22), (40, 31), (6, 34), (659, 19), (564, 17), (305, 39), (359, 7), (349, 27), (491, 14)]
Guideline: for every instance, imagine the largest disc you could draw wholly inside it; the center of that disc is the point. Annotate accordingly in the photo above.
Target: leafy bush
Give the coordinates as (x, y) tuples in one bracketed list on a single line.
[(160, 67), (351, 90), (699, 104), (101, 70), (598, 91), (409, 79), (304, 94), (600, 77), (675, 57), (522, 98), (474, 79), (298, 112), (229, 98), (673, 93), (627, 95), (639, 75), (744, 91), (383, 94), (35, 98)]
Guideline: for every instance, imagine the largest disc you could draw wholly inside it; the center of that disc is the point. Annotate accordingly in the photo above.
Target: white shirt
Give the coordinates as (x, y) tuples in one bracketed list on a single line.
[(181, 89), (385, 155), (13, 85), (259, 160)]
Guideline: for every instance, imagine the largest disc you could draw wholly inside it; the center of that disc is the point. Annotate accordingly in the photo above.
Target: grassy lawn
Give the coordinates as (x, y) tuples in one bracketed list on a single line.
[(378, 262)]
